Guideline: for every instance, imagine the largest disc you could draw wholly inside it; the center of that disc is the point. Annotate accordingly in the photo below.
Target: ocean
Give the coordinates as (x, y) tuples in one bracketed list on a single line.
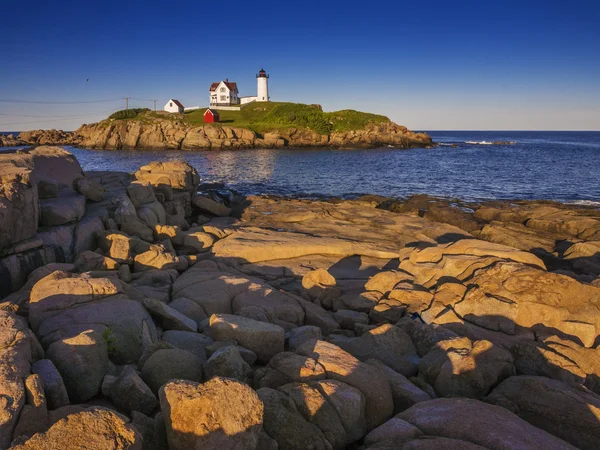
[(469, 165)]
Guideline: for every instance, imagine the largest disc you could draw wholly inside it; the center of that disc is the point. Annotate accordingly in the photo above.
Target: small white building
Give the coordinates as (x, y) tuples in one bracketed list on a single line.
[(174, 106), (244, 100), (224, 93)]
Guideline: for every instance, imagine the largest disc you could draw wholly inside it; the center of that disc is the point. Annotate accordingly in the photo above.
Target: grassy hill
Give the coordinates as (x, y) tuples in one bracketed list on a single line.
[(267, 116), (270, 116)]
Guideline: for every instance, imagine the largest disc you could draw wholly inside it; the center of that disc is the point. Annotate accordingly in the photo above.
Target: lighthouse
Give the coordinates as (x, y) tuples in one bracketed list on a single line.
[(262, 90)]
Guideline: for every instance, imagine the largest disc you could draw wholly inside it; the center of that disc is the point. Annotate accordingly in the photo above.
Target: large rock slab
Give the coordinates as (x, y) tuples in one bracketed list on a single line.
[(555, 219), (219, 414), (169, 318), (61, 210), (19, 207), (284, 423), (570, 413), (178, 175), (61, 236), (85, 234), (460, 260), (462, 368), (511, 295), (20, 173), (387, 343), (248, 245), (130, 393), (264, 339), (167, 364), (14, 269), (559, 359), (82, 361), (344, 367), (62, 305), (217, 291), (18, 347), (349, 403), (227, 362), (94, 428), (315, 408), (210, 206), (404, 393), (478, 423), (54, 386)]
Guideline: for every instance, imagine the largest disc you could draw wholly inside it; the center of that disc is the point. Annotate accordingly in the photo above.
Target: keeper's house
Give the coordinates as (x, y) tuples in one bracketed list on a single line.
[(224, 93)]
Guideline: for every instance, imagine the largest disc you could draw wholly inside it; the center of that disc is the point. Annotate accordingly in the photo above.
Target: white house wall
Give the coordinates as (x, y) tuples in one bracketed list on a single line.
[(172, 107), (228, 96)]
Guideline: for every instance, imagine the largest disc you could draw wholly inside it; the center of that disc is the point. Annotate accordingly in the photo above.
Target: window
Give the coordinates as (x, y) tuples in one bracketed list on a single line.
[(223, 98), (222, 89)]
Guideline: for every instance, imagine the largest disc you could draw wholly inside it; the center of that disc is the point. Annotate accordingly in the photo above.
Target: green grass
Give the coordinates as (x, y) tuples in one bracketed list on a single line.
[(277, 116), (271, 116)]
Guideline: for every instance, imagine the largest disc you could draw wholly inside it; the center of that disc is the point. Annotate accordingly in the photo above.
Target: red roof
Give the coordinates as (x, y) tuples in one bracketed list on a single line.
[(231, 85), (177, 102), (213, 112)]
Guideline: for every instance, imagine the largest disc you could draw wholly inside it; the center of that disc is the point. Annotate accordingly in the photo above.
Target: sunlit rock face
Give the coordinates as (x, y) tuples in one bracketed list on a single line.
[(168, 323)]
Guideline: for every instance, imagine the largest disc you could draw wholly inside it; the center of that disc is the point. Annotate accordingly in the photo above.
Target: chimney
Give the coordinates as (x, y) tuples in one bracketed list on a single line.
[(227, 80)]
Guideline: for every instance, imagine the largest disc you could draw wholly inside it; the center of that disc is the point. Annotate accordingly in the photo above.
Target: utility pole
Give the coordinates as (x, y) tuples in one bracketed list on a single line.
[(126, 102), (154, 104)]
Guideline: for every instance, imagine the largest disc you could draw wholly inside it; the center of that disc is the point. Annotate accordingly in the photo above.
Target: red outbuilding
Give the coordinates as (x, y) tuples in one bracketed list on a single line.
[(211, 116)]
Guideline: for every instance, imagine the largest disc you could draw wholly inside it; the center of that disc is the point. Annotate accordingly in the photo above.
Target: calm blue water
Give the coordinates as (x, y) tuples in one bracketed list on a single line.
[(562, 166)]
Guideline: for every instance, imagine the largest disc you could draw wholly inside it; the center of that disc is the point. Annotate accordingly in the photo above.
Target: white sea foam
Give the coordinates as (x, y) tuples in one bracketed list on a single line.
[(490, 142), (585, 203)]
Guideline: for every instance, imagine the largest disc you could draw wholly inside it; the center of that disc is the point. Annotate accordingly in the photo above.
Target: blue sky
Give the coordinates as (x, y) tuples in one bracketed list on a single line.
[(427, 65)]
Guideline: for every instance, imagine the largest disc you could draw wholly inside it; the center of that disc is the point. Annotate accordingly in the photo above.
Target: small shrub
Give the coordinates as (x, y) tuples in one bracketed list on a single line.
[(111, 341), (127, 113)]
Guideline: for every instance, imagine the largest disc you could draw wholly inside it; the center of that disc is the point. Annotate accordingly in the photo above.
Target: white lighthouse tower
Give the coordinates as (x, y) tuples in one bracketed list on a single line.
[(262, 90)]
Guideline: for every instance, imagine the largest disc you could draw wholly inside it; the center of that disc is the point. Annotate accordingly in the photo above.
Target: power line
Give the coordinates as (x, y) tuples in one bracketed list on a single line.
[(55, 120), (141, 99), (59, 103), (50, 117)]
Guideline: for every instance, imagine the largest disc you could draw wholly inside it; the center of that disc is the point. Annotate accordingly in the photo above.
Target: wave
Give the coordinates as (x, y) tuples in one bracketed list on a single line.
[(490, 142), (584, 203)]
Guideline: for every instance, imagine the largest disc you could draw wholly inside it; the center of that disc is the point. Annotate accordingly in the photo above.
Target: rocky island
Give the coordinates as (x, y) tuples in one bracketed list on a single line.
[(151, 311), (261, 125)]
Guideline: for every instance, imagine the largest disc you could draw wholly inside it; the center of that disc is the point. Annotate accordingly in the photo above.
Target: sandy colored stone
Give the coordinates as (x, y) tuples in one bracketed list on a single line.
[(389, 344), (297, 367), (385, 281), (462, 368), (167, 364), (249, 245), (94, 429), (404, 393), (264, 339), (344, 367), (54, 387), (476, 422), (567, 412), (82, 361), (220, 413), (286, 425)]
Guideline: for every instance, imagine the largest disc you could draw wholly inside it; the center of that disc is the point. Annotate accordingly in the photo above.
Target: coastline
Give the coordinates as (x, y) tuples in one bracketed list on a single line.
[(144, 291), (159, 133)]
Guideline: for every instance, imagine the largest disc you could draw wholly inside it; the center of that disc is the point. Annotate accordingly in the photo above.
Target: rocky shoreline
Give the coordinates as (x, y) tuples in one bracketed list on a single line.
[(151, 311), (163, 134)]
